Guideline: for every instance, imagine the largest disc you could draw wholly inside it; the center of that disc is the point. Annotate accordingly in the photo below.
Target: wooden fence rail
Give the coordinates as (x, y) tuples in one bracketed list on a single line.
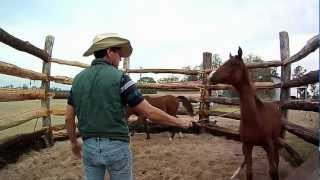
[(303, 133), (24, 46), (172, 71), (312, 45), (7, 95), (62, 79), (175, 71), (17, 119), (300, 105), (13, 70), (292, 104), (70, 63), (310, 78)]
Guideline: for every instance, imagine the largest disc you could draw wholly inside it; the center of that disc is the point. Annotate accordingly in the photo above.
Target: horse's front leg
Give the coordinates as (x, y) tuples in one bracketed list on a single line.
[(131, 130), (247, 151), (276, 153), (173, 132), (271, 153)]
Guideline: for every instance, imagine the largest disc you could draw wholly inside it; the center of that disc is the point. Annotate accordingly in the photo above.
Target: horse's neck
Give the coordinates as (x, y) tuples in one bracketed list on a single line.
[(248, 106)]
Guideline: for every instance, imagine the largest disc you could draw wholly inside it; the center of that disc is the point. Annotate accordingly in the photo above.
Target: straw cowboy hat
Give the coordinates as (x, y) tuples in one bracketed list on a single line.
[(107, 40)]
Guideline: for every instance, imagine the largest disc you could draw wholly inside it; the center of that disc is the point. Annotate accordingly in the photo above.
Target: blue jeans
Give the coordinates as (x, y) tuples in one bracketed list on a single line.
[(102, 154)]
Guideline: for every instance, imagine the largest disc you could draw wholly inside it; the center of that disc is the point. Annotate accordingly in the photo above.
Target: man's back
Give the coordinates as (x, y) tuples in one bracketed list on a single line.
[(96, 96)]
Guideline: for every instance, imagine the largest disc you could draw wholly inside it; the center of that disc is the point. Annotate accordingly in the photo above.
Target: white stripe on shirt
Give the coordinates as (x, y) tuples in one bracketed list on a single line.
[(126, 86)]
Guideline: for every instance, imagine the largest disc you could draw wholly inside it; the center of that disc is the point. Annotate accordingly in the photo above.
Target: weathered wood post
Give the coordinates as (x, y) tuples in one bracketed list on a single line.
[(205, 93), (45, 84), (285, 70), (126, 64)]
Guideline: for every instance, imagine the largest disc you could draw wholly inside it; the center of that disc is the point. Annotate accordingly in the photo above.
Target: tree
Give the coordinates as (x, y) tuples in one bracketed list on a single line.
[(191, 77), (169, 79), (314, 91), (298, 72), (261, 75), (24, 86), (145, 80), (216, 61)]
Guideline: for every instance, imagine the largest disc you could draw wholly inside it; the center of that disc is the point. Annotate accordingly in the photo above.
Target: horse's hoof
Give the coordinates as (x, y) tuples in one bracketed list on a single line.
[(180, 135)]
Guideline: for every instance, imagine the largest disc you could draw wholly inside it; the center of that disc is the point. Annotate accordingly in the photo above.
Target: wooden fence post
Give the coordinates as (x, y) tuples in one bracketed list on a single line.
[(126, 64), (285, 70), (45, 102), (205, 93)]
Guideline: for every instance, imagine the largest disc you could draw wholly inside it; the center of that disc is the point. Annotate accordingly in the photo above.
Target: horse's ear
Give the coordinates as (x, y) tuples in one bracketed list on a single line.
[(240, 52), (230, 56)]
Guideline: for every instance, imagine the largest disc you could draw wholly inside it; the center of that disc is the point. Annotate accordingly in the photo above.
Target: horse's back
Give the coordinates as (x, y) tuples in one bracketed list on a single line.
[(167, 103)]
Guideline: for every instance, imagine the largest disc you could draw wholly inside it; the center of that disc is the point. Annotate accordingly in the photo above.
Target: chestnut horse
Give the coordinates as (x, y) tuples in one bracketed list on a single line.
[(260, 123), (167, 103)]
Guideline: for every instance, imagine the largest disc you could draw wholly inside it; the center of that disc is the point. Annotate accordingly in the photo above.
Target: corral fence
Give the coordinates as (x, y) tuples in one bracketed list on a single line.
[(205, 98)]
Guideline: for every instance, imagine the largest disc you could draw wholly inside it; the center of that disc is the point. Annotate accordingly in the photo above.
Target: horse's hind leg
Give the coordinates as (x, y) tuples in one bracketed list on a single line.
[(180, 134), (131, 131), (271, 153), (146, 128), (247, 151), (172, 132), (276, 155)]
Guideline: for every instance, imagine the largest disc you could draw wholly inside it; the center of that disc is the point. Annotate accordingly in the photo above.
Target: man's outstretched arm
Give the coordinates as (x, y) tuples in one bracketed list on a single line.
[(158, 116)]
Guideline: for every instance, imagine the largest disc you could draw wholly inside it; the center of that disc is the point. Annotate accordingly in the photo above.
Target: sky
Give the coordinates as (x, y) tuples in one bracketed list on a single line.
[(163, 33)]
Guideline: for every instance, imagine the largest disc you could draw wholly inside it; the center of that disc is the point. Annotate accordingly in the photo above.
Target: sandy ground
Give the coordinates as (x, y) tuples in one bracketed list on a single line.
[(192, 157)]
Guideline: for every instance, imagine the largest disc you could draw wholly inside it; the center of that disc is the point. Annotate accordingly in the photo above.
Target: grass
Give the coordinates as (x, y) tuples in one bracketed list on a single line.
[(306, 119), (9, 109)]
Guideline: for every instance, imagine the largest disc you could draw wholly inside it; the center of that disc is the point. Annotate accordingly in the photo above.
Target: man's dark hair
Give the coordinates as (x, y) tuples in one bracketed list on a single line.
[(100, 53), (103, 52)]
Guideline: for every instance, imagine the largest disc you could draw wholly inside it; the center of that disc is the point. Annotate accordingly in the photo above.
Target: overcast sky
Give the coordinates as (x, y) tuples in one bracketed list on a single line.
[(164, 33)]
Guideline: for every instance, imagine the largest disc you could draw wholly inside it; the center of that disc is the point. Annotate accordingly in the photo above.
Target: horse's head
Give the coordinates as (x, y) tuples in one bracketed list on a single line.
[(231, 72)]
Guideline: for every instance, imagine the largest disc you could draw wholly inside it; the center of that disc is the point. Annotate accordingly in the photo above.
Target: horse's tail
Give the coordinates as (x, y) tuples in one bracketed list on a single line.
[(187, 104), (238, 170)]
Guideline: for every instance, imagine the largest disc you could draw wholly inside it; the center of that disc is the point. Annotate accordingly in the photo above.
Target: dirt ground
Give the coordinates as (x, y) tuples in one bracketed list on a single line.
[(192, 157)]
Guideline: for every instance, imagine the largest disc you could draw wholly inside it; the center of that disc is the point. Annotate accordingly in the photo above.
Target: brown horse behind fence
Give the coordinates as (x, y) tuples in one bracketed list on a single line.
[(167, 103), (260, 121)]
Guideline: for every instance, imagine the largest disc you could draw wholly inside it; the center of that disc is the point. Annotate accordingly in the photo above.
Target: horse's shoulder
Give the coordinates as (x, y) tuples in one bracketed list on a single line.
[(269, 107)]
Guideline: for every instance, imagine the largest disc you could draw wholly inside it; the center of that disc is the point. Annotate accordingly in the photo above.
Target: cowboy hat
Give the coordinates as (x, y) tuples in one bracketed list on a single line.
[(107, 40)]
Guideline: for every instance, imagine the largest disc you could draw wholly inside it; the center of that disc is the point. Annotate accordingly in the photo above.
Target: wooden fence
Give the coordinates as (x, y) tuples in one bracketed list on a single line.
[(205, 98)]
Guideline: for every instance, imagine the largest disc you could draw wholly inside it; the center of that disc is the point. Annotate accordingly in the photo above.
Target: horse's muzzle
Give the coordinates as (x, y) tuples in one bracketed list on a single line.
[(213, 78)]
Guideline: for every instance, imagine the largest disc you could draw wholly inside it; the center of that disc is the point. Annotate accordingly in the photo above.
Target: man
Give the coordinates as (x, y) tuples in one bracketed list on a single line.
[(98, 97)]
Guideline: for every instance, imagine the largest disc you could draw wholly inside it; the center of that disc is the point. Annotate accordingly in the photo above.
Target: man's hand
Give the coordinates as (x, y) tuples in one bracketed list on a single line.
[(76, 149), (185, 122)]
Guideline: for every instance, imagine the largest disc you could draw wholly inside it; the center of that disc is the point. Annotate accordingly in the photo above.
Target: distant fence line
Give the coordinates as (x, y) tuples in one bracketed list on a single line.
[(205, 98)]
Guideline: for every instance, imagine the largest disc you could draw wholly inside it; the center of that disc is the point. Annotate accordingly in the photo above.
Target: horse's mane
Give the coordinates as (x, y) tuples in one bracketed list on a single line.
[(259, 102)]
